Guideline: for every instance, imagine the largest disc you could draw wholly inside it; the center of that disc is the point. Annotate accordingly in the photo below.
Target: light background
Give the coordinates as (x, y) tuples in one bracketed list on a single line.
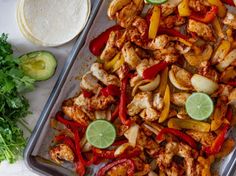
[(37, 98)]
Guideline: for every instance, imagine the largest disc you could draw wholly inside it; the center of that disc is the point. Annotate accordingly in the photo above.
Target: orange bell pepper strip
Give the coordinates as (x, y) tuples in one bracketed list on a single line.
[(227, 147), (166, 110), (183, 8), (219, 114), (154, 22), (164, 79), (221, 8), (208, 17), (218, 142), (189, 124)]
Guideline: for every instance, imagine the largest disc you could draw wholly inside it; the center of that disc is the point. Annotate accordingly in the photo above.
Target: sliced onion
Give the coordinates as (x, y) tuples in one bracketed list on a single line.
[(83, 141), (87, 147), (230, 58), (151, 129), (132, 134), (151, 173), (100, 114), (121, 149), (137, 86), (152, 85), (175, 82), (203, 84)]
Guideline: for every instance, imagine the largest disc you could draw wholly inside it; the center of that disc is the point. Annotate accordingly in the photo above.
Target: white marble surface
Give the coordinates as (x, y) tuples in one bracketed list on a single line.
[(39, 97)]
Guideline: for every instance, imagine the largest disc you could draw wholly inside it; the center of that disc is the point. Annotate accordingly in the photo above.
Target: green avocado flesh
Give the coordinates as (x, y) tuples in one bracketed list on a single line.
[(39, 65)]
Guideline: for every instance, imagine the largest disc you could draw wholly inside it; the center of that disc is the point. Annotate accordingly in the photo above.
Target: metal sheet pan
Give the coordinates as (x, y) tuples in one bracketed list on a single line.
[(36, 153)]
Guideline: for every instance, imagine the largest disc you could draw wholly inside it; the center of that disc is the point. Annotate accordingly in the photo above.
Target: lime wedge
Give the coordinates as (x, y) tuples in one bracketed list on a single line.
[(101, 134), (156, 2), (199, 106)]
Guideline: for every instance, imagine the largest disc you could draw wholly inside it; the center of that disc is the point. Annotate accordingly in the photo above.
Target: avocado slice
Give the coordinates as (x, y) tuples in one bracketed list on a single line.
[(39, 65)]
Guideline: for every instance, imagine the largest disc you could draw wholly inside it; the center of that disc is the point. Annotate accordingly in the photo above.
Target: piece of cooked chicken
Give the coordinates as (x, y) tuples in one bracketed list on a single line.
[(107, 79), (230, 20), (179, 99), (94, 103), (160, 42), (127, 14), (200, 29), (150, 114), (74, 112), (90, 83), (110, 49), (206, 139), (169, 7), (140, 101), (158, 101), (198, 5), (61, 152), (131, 58)]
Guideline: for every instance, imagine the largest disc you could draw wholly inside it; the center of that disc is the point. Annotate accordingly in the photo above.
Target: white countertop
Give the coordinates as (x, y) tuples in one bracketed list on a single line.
[(38, 97)]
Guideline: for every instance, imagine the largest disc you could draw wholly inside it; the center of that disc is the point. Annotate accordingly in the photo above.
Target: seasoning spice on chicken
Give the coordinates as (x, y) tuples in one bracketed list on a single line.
[(150, 68)]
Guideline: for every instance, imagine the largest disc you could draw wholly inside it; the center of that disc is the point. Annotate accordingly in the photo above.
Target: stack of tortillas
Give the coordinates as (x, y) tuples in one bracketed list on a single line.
[(52, 22)]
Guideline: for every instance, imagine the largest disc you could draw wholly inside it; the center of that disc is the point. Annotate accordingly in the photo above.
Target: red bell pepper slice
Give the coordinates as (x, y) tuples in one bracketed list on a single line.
[(208, 17), (232, 83), (184, 137), (59, 117), (109, 154), (115, 114), (66, 140), (97, 44), (80, 164), (111, 90), (87, 94), (106, 154), (229, 114), (120, 142), (172, 32), (229, 2), (106, 168), (151, 72), (218, 142), (123, 103)]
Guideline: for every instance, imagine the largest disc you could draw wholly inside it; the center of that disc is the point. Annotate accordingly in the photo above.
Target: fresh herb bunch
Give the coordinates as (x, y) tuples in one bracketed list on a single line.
[(13, 105)]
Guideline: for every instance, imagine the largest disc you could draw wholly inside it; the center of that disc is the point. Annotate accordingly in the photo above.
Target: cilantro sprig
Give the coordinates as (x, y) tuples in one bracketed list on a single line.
[(13, 105)]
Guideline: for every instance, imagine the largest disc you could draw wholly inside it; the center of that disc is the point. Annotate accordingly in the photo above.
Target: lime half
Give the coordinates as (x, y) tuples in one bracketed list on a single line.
[(156, 2), (101, 134), (199, 106)]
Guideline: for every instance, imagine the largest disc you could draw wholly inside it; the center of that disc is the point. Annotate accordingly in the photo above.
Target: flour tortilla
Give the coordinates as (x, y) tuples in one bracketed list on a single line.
[(25, 33), (53, 22)]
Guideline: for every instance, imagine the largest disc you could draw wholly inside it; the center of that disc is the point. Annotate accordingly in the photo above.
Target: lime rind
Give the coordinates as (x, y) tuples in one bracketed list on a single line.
[(199, 106), (156, 2), (101, 134)]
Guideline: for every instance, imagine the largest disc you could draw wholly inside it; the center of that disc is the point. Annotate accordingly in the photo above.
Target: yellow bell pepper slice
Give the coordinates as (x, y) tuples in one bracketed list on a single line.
[(226, 149), (119, 63), (111, 63), (218, 28), (154, 22), (222, 50), (166, 110), (221, 7), (163, 83), (219, 114), (189, 124), (184, 9)]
